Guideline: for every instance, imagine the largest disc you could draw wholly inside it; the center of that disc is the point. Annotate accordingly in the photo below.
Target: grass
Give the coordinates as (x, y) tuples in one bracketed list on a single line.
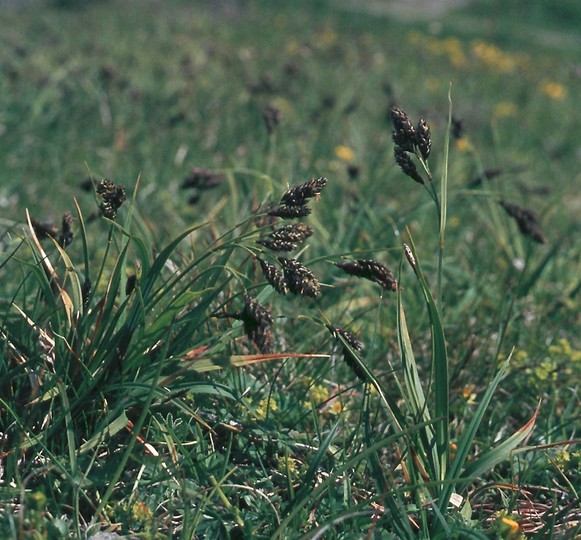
[(418, 380)]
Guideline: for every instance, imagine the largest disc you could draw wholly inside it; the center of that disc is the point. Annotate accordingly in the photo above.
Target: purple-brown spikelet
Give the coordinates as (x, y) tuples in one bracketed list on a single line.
[(43, 230), (257, 320), (526, 219), (355, 347), (86, 288), (202, 179), (404, 133), (66, 234), (298, 195), (113, 196), (130, 284), (299, 279), (272, 117), (287, 238), (410, 256), (406, 164), (290, 212), (423, 139), (274, 277), (371, 270)]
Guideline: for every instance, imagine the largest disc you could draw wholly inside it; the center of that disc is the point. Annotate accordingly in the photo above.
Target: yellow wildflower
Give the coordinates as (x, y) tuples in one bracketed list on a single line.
[(432, 84), (336, 407), (319, 393), (265, 406), (141, 512), (505, 109), (554, 90), (463, 144), (510, 529), (288, 466), (344, 153)]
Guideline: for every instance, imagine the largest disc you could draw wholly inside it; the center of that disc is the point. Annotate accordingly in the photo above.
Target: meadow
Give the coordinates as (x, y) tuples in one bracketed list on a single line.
[(289, 271)]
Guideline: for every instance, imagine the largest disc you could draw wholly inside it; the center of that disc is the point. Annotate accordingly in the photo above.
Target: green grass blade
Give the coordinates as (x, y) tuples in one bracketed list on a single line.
[(441, 412), (502, 451)]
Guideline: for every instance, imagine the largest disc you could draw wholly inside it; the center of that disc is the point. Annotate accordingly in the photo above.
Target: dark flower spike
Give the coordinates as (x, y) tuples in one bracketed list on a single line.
[(202, 179), (274, 277), (290, 212), (423, 139), (299, 279), (66, 235), (527, 221), (298, 195), (407, 165), (404, 134), (287, 238), (113, 197), (355, 346), (371, 270), (272, 116), (43, 230), (257, 320)]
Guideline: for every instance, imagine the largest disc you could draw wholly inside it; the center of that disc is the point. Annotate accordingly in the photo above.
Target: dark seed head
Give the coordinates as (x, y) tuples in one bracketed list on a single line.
[(299, 279), (290, 212), (274, 277), (66, 234), (272, 116), (202, 179), (406, 164), (404, 134), (43, 230), (371, 270), (527, 221), (298, 195), (130, 284), (423, 139), (113, 197), (351, 347), (257, 320), (287, 238)]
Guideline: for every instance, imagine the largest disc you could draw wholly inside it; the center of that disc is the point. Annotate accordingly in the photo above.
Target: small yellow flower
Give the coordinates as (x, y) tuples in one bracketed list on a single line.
[(505, 109), (433, 84), (336, 407), (265, 406), (344, 153), (453, 222), (510, 529), (319, 393), (288, 465), (554, 90), (468, 393), (326, 38), (141, 512), (463, 144)]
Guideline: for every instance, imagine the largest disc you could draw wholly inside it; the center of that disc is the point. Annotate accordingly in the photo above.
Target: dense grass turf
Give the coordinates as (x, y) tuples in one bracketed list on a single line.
[(420, 376)]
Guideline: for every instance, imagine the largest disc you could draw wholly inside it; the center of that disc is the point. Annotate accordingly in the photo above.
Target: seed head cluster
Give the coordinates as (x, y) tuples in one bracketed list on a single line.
[(274, 276), (354, 346), (287, 238), (293, 203), (410, 140), (257, 321), (526, 219), (299, 279), (199, 180), (371, 270), (112, 195), (293, 276), (298, 195), (272, 117), (66, 234)]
